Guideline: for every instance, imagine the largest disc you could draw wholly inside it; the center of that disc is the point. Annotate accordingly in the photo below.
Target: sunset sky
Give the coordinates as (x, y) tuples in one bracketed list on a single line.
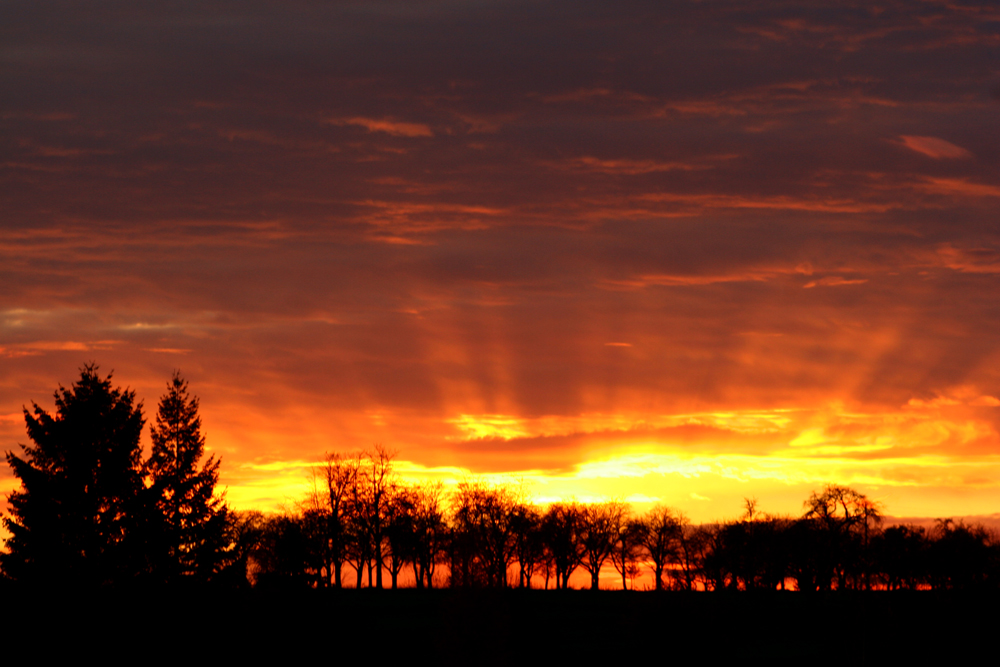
[(685, 252)]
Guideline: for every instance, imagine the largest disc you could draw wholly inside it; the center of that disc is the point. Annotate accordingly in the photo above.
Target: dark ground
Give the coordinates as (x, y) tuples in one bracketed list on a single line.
[(509, 627)]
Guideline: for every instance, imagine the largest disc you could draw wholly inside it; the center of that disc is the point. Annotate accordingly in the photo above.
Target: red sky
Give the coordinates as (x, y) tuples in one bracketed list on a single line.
[(688, 252)]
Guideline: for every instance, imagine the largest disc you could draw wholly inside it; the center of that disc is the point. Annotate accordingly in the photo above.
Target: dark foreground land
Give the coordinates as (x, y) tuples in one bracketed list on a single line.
[(513, 627)]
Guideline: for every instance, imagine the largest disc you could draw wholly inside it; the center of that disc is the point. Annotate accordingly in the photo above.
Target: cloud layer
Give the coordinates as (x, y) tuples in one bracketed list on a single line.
[(521, 237)]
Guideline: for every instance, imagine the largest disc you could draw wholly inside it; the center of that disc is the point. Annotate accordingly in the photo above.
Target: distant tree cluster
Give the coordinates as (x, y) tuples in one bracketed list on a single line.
[(485, 535), (91, 511), (839, 543)]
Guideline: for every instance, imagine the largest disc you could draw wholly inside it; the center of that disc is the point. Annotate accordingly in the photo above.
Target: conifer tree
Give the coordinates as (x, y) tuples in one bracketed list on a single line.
[(77, 518), (194, 535)]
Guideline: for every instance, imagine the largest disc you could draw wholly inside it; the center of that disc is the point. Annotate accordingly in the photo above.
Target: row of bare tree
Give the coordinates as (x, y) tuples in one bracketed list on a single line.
[(362, 516)]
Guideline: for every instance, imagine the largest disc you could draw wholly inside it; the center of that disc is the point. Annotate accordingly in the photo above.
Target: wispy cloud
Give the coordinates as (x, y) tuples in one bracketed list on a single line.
[(834, 281), (387, 125), (934, 147), (959, 187)]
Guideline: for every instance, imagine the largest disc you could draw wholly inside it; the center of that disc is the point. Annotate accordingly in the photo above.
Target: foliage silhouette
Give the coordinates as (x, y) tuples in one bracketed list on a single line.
[(659, 532), (962, 558), (844, 521), (79, 517), (371, 495), (340, 474), (194, 520), (485, 521), (627, 552), (602, 523), (901, 554), (562, 530), (529, 543), (281, 556), (429, 532)]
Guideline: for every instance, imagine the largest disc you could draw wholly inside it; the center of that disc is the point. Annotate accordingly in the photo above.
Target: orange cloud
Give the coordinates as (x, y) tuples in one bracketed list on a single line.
[(780, 202), (622, 166), (934, 147), (835, 281), (387, 125), (959, 186), (978, 260)]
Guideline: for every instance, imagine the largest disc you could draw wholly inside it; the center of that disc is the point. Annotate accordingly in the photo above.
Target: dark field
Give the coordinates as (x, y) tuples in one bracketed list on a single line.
[(513, 627)]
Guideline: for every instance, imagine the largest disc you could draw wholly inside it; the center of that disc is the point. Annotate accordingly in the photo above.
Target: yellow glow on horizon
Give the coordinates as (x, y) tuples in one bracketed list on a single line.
[(675, 478), (703, 462), (925, 457), (505, 427), (808, 438), (280, 465)]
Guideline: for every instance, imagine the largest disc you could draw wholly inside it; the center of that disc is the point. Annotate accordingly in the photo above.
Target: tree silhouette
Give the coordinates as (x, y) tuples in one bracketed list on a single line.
[(399, 531), (808, 553), (486, 515), (692, 542), (529, 542), (628, 549), (562, 528), (357, 544), (79, 514), (429, 532), (371, 493), (280, 559), (901, 556), (847, 519), (661, 529), (359, 490), (750, 553), (601, 526), (246, 531), (961, 557), (194, 519), (340, 474)]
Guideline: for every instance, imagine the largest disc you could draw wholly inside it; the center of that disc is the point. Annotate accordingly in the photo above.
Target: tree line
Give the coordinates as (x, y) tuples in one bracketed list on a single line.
[(362, 520), (92, 511)]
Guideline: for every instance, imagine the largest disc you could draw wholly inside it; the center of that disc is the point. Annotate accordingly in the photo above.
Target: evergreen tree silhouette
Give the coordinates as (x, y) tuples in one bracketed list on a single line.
[(77, 518), (194, 520)]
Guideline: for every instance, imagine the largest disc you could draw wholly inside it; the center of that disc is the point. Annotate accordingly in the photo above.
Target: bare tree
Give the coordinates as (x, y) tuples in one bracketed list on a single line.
[(369, 500), (398, 529), (484, 517), (529, 544), (428, 531), (340, 476), (690, 552), (357, 546), (847, 519), (661, 528), (600, 526), (628, 549), (562, 529)]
